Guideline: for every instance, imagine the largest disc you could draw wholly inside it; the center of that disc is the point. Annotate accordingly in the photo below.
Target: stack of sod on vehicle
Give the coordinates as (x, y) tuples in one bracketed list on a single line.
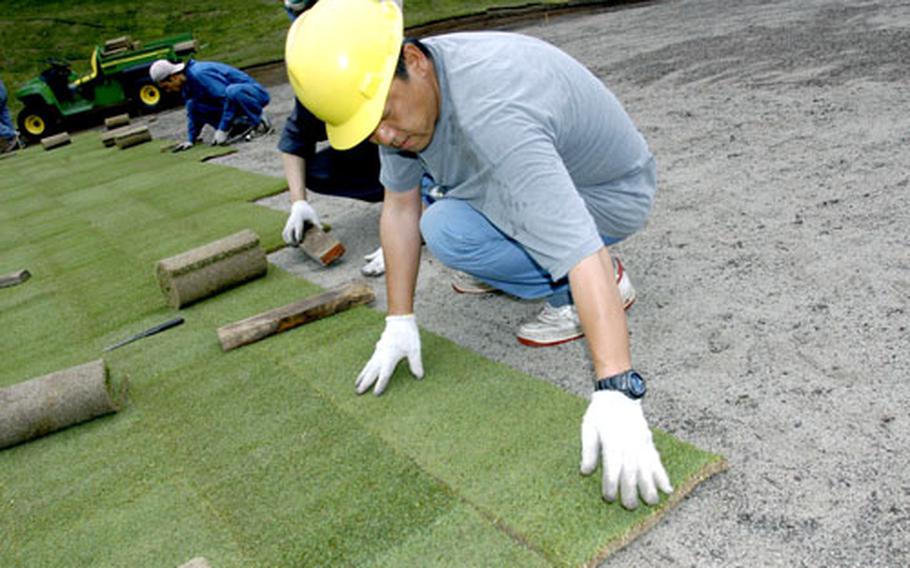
[(263, 455)]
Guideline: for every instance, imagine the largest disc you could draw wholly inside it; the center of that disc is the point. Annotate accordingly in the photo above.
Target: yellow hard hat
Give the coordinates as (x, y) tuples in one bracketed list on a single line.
[(341, 57)]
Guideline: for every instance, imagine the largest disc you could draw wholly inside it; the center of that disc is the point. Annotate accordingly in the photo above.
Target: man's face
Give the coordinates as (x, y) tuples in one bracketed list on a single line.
[(173, 83), (412, 107)]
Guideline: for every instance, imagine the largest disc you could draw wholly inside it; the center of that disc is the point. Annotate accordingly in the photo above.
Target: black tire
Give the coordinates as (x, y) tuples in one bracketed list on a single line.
[(37, 121), (148, 97)]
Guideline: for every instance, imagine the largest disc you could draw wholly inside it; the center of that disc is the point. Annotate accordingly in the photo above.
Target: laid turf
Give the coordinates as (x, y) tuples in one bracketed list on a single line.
[(263, 456)]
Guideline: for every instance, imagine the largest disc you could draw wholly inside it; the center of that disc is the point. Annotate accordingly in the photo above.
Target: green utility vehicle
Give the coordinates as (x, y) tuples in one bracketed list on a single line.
[(119, 77)]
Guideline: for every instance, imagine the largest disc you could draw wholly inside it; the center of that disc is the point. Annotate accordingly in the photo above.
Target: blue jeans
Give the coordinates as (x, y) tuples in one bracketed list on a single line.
[(246, 100), (244, 104), (7, 130), (463, 239)]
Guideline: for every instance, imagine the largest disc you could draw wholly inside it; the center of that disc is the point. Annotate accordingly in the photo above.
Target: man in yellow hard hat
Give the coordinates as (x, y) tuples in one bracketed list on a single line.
[(540, 170)]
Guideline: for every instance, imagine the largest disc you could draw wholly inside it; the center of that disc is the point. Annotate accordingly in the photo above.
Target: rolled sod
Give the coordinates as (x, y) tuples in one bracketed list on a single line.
[(139, 135), (209, 269), (52, 402), (116, 121), (109, 138), (55, 141)]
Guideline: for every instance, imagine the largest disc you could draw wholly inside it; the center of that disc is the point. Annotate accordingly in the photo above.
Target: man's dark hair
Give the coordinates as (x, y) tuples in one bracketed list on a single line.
[(401, 69)]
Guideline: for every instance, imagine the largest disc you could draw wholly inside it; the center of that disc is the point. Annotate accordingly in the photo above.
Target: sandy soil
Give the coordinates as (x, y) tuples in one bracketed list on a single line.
[(773, 279)]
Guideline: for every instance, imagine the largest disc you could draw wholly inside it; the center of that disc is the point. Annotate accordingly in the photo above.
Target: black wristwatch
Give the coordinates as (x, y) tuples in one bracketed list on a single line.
[(630, 383)]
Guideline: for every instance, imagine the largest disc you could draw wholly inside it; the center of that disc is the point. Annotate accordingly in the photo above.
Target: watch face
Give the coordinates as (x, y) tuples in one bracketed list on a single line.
[(636, 385)]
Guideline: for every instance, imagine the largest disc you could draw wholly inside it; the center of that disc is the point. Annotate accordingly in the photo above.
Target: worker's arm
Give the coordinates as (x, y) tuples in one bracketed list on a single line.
[(301, 211), (600, 310), (295, 174), (614, 426), (399, 231)]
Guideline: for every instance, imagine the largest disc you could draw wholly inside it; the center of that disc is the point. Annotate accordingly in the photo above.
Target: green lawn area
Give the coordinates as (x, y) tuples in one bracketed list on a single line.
[(238, 32), (263, 456)]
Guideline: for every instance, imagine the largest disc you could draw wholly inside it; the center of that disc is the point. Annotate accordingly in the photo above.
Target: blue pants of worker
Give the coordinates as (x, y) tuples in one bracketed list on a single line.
[(7, 130), (244, 103), (463, 239)]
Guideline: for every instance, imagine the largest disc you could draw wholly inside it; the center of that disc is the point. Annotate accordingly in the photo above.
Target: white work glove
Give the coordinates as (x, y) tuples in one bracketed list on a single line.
[(399, 340), (301, 213), (219, 138), (375, 265), (186, 145), (615, 425)]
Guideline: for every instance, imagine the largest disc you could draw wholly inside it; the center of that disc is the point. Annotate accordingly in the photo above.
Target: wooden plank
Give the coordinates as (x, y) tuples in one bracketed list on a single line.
[(14, 278), (56, 141), (287, 317), (119, 120), (321, 246)]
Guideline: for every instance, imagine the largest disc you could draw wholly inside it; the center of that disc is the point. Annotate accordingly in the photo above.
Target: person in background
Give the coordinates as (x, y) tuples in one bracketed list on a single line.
[(353, 173), (227, 99), (9, 139)]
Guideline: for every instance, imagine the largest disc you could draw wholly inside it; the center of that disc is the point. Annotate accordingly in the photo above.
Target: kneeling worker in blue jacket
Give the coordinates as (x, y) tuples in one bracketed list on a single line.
[(216, 94)]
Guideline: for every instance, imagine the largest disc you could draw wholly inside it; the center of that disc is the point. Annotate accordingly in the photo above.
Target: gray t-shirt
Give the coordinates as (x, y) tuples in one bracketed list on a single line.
[(534, 141)]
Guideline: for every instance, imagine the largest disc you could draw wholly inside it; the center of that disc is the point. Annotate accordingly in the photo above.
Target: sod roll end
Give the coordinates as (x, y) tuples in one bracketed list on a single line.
[(52, 402), (212, 268)]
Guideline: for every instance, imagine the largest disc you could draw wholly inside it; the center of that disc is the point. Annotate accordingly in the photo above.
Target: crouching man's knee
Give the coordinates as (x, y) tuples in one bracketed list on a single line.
[(450, 228)]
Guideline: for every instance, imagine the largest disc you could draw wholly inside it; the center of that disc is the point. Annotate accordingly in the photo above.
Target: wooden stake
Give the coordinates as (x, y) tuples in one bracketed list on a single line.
[(321, 246), (14, 278), (290, 316)]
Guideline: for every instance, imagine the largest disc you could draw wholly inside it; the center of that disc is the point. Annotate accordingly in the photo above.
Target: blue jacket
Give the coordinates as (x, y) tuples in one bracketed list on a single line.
[(205, 92)]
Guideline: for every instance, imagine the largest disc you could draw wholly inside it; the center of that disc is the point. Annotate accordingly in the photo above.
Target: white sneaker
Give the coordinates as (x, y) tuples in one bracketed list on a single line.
[(559, 325), (464, 283), (375, 265)]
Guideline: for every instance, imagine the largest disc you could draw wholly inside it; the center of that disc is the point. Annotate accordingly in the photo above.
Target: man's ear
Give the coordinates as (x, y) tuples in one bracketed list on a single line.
[(416, 61)]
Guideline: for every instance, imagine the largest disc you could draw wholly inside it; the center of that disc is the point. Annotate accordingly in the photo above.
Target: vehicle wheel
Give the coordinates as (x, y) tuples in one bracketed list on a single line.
[(37, 122), (147, 97)]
